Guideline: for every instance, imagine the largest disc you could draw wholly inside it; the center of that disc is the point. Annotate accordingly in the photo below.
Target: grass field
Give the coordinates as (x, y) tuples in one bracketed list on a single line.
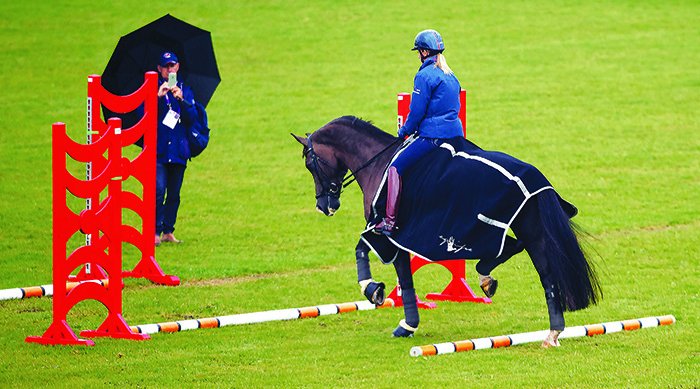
[(602, 96)]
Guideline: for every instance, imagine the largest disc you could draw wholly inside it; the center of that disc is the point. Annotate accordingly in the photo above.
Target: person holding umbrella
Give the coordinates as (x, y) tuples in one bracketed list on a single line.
[(195, 77), (176, 115)]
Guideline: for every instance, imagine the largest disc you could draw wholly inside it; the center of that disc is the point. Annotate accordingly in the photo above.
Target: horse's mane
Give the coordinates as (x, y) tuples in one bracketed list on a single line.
[(364, 127)]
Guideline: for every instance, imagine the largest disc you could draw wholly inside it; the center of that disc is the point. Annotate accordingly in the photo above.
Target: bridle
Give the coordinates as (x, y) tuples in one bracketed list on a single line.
[(332, 188)]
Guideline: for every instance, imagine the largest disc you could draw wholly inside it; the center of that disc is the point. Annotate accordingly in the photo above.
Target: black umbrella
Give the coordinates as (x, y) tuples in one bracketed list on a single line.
[(139, 51)]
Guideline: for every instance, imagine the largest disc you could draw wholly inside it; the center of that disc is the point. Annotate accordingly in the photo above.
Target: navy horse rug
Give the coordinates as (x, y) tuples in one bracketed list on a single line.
[(457, 202)]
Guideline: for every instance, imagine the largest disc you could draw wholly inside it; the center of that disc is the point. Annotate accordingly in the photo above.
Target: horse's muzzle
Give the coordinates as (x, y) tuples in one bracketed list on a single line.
[(328, 205)]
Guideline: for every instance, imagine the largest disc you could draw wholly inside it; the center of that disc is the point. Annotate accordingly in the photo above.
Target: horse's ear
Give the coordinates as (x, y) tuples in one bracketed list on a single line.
[(300, 139)]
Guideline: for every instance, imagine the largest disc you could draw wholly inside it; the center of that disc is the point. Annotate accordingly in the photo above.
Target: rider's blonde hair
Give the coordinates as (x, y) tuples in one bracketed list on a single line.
[(441, 63)]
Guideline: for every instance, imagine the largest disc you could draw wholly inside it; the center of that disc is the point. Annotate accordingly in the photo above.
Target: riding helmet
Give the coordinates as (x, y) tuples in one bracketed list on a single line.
[(429, 40)]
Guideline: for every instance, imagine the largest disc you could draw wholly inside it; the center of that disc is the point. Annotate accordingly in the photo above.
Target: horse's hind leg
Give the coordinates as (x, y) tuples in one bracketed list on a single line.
[(511, 247), (528, 227), (486, 265), (409, 325)]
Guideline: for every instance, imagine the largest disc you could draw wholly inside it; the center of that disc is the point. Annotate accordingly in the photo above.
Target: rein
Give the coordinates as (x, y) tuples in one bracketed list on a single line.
[(352, 176), (331, 188)]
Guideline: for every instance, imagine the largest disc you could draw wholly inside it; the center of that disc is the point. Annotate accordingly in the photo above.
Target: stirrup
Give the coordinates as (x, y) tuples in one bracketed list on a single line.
[(384, 228), (377, 228), (388, 231)]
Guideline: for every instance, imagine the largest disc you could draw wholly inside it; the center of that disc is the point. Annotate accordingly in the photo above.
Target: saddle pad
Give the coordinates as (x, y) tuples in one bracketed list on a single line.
[(458, 202)]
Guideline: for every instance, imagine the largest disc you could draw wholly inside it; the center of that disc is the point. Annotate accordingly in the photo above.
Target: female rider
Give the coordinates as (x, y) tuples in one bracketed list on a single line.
[(434, 115)]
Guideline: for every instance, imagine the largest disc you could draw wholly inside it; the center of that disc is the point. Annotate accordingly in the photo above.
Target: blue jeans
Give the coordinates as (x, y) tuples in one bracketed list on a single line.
[(415, 151), (169, 177)]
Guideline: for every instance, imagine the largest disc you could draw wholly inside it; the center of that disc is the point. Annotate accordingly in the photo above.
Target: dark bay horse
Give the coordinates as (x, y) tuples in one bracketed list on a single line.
[(541, 227)]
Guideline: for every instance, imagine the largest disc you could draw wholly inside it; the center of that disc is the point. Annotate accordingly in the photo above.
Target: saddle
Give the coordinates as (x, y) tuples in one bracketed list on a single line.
[(457, 202)]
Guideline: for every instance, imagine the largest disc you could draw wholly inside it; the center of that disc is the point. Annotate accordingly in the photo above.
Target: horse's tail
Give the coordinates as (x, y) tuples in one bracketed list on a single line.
[(575, 278)]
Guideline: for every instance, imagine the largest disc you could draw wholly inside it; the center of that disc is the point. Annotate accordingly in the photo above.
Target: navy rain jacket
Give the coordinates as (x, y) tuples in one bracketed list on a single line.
[(173, 146)]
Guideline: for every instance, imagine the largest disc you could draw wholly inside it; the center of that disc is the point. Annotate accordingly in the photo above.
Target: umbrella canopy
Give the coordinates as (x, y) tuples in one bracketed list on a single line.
[(139, 51)]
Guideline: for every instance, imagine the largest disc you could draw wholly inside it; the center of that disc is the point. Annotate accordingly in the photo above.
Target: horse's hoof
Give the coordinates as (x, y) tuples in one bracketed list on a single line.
[(403, 330), (375, 292), (552, 339), (489, 286)]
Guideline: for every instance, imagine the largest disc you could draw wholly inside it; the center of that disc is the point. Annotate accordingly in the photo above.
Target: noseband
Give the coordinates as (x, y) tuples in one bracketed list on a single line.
[(331, 187)]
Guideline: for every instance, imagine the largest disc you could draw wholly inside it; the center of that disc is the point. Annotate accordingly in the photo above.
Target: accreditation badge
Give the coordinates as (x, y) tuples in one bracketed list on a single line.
[(171, 119)]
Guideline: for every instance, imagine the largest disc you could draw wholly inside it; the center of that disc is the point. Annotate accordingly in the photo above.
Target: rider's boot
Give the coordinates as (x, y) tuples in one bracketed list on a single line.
[(393, 194)]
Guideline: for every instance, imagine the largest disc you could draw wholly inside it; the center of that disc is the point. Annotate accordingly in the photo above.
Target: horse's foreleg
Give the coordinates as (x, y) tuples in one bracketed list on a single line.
[(409, 324), (362, 260), (374, 291)]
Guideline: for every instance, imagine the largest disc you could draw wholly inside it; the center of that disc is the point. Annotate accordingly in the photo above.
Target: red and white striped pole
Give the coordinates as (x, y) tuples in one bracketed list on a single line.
[(538, 336), (259, 317), (40, 291)]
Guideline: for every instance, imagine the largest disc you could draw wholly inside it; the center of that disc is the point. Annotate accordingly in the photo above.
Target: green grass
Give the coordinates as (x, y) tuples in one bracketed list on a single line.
[(601, 96)]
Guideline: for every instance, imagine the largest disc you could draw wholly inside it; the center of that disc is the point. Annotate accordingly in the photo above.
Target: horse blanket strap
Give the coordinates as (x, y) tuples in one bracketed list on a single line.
[(458, 203)]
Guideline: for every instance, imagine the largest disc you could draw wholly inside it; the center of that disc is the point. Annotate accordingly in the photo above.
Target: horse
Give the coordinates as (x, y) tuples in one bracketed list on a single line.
[(542, 228)]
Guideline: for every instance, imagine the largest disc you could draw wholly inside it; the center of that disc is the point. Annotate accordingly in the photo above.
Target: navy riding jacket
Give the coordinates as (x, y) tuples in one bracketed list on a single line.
[(434, 104), (173, 146)]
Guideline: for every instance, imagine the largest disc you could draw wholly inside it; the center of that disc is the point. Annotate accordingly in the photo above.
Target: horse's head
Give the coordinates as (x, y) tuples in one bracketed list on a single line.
[(327, 171)]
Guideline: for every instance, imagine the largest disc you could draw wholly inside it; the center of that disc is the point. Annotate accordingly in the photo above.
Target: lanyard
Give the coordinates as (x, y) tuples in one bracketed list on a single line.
[(167, 100)]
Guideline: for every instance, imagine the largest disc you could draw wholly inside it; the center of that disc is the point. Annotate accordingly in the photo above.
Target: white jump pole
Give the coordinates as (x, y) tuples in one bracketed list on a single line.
[(538, 336), (39, 291), (259, 317)]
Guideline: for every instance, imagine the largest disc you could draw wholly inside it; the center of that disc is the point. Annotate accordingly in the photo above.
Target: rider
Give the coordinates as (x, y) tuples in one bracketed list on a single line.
[(434, 115)]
